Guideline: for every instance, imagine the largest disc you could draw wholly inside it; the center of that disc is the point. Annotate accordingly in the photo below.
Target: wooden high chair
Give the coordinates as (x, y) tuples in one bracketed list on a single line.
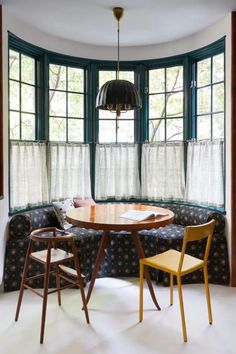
[(52, 258)]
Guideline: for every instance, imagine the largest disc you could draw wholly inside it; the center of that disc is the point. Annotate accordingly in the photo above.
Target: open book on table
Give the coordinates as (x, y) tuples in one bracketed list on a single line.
[(141, 215)]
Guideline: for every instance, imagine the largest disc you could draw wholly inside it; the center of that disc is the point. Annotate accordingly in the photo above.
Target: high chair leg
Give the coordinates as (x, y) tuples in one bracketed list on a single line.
[(58, 283), (45, 294), (24, 276), (81, 285)]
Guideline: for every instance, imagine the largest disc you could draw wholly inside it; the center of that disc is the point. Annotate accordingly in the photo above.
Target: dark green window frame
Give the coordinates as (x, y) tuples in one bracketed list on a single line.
[(209, 51), (92, 67), (211, 86), (21, 83), (105, 117), (166, 93), (66, 91)]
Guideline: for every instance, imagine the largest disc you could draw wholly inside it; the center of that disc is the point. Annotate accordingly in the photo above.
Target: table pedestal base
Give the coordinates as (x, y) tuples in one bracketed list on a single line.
[(100, 255)]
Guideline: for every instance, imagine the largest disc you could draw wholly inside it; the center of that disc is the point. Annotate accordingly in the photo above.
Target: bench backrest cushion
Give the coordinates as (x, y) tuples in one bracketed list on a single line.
[(191, 215), (22, 224)]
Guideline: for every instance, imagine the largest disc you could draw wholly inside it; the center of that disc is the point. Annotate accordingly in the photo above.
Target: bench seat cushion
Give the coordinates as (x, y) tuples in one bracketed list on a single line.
[(120, 256)]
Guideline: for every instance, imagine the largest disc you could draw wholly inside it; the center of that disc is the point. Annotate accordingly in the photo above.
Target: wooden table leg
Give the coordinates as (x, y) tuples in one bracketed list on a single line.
[(98, 261), (140, 252)]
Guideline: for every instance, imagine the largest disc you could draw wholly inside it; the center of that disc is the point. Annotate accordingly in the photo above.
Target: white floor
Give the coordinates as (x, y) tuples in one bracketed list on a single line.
[(114, 327)]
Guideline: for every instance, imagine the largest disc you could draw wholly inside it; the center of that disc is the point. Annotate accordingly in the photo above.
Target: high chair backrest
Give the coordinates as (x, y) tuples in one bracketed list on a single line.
[(196, 233), (50, 234)]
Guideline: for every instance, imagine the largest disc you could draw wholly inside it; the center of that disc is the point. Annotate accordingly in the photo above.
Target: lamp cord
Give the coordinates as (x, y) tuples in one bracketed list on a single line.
[(118, 54)]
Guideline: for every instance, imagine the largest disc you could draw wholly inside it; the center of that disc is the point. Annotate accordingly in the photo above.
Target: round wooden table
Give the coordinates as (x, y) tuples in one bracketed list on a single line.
[(107, 217)]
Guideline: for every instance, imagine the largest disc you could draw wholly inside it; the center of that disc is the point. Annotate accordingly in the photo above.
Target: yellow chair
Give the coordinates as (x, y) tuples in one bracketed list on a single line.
[(178, 264)]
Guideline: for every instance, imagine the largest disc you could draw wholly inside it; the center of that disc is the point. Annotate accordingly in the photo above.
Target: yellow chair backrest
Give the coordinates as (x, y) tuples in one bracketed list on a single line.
[(195, 233)]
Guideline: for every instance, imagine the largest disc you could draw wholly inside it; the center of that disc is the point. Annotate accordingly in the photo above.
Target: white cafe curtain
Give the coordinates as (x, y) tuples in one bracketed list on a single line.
[(116, 171), (205, 172), (162, 172), (28, 175), (69, 171)]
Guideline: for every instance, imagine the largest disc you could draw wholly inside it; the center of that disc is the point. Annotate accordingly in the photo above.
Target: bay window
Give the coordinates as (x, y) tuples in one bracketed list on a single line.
[(142, 155)]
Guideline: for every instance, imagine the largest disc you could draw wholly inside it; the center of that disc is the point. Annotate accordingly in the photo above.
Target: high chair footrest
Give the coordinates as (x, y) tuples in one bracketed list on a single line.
[(70, 271)]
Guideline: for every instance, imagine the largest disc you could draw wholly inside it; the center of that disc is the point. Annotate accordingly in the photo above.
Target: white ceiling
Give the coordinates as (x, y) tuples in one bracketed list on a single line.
[(145, 22)]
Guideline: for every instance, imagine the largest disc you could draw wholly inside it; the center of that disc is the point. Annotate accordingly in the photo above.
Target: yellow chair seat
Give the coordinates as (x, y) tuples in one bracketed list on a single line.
[(169, 262)]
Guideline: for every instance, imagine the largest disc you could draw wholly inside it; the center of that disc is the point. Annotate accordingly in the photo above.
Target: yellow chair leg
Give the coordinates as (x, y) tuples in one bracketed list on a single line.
[(141, 293), (171, 289), (181, 304), (207, 294)]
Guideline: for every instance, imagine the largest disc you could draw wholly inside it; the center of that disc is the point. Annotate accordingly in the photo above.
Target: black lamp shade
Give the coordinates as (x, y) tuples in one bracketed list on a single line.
[(118, 92)]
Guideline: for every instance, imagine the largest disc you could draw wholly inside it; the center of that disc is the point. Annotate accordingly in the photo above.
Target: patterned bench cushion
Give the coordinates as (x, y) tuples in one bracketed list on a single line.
[(120, 256), (22, 224)]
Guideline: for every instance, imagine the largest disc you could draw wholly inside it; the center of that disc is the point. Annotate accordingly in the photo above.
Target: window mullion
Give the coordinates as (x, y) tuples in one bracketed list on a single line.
[(67, 95), (20, 97), (165, 110), (211, 98)]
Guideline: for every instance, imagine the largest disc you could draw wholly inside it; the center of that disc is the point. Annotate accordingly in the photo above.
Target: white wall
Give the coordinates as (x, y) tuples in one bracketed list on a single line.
[(46, 41), (4, 203), (59, 45)]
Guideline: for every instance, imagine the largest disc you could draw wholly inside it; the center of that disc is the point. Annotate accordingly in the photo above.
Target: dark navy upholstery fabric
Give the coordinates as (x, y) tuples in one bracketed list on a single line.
[(120, 256)]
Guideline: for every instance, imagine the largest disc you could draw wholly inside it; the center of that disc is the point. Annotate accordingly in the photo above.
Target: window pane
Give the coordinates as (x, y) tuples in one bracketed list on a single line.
[(106, 114), (218, 97), (14, 125), (157, 106), (156, 130), (174, 129), (28, 126), (57, 103), (127, 75), (28, 98), (174, 104), (174, 78), (105, 76), (27, 69), (125, 132), (218, 68), (103, 114), (57, 129), (107, 131), (156, 80), (218, 126), (204, 127), (14, 95), (204, 72), (75, 79), (76, 130), (57, 77), (75, 105), (127, 115), (204, 100), (14, 65)]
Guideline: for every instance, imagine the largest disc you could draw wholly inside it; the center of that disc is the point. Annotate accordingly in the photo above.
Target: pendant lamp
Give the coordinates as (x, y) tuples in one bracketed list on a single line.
[(117, 95)]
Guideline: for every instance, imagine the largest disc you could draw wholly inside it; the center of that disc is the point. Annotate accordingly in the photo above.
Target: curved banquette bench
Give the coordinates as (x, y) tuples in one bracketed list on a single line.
[(120, 257)]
